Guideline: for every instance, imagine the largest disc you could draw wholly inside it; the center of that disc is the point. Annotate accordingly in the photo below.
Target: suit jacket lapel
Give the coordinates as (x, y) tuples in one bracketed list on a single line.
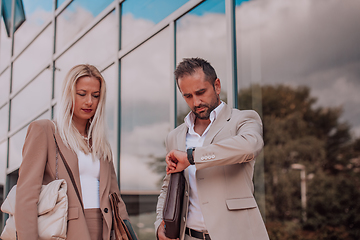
[(218, 124), (181, 138), (72, 161), (104, 176)]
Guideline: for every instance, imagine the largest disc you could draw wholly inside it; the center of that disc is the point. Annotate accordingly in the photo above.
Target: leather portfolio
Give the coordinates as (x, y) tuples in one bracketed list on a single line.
[(173, 205)]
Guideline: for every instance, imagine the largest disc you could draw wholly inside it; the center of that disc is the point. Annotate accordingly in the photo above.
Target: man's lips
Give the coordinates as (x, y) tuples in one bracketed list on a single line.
[(200, 109)]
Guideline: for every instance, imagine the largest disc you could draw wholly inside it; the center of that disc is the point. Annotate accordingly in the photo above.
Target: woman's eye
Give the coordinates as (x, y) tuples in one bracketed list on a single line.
[(81, 94), (96, 96)]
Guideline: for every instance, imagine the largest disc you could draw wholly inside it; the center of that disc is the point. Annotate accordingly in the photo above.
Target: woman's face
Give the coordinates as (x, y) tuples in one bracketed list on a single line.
[(87, 97)]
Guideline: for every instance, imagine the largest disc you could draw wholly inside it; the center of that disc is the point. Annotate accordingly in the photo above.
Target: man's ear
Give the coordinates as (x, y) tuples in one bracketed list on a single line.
[(217, 86)]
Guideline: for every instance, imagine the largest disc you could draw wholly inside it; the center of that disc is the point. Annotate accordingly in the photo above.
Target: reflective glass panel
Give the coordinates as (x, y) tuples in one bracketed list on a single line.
[(298, 66), (4, 121), (33, 59), (37, 14), (145, 116), (3, 161), (5, 86), (59, 2), (138, 16), (75, 18), (111, 79), (97, 47), (31, 100), (16, 143), (5, 47), (202, 33)]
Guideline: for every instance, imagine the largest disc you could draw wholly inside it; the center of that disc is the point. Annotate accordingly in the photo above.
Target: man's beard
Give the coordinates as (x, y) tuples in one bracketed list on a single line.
[(210, 107)]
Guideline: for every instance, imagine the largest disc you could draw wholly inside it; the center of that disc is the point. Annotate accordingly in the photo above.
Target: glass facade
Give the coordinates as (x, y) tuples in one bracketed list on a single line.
[(5, 47), (195, 36), (295, 62), (32, 60), (38, 13)]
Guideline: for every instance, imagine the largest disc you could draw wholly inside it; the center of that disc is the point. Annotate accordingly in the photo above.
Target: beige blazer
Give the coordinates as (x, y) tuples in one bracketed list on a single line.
[(224, 172), (38, 167)]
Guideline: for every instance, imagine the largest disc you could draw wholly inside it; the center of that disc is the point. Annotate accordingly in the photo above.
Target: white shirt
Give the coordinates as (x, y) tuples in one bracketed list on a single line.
[(89, 170), (195, 219)]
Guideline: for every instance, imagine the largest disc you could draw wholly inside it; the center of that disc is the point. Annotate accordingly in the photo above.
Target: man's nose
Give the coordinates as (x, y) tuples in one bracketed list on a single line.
[(197, 101)]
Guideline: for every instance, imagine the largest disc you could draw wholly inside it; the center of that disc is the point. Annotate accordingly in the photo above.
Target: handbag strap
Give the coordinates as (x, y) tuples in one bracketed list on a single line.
[(69, 172)]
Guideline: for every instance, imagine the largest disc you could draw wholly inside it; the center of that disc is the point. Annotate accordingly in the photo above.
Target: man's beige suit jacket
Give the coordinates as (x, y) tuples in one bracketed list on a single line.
[(224, 172)]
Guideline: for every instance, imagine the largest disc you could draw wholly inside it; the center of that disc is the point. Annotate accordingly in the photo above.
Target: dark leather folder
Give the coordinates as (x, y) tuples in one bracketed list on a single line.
[(173, 205)]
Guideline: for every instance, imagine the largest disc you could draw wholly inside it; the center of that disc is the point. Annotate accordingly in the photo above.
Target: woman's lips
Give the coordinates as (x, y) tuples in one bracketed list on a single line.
[(87, 110)]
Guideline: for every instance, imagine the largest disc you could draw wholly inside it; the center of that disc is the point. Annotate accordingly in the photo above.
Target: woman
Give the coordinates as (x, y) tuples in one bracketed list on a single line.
[(80, 133)]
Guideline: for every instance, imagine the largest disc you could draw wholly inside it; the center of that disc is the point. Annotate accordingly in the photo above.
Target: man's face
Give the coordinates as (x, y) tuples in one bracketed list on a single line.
[(199, 94)]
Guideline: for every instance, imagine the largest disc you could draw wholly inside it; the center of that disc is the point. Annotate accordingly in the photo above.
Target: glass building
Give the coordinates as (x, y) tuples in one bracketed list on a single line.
[(297, 63)]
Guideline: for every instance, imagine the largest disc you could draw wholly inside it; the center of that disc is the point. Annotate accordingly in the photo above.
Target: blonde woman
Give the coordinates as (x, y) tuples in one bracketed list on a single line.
[(79, 130)]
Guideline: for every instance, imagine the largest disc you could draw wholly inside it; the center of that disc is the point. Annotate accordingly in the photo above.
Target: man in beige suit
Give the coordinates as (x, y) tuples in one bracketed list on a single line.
[(216, 147)]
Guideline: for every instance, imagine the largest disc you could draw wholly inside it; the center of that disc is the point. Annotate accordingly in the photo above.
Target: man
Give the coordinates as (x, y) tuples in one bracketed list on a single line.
[(216, 147)]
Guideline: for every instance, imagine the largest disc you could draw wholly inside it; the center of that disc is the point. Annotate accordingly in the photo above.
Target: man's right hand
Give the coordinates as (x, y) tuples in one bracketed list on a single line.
[(161, 232)]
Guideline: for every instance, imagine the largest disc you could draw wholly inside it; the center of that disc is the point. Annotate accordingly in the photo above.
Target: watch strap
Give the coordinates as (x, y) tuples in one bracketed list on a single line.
[(190, 156)]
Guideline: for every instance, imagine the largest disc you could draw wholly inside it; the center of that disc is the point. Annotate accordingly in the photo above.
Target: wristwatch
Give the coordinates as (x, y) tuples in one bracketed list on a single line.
[(190, 155)]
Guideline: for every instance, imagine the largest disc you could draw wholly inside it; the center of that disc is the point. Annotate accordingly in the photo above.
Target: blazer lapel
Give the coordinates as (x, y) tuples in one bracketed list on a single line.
[(181, 139), (218, 124), (71, 159), (104, 176)]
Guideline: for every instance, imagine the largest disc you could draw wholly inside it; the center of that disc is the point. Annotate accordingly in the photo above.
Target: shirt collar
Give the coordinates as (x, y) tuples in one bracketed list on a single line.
[(190, 118)]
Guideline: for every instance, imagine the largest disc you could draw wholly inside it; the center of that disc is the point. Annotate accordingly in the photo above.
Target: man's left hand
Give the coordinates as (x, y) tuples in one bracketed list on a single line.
[(176, 161)]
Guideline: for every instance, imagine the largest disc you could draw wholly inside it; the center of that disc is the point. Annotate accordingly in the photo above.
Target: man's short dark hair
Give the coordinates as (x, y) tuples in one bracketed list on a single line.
[(189, 65)]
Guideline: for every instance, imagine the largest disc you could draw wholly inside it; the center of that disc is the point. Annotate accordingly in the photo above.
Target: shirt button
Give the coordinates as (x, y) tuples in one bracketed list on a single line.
[(106, 210)]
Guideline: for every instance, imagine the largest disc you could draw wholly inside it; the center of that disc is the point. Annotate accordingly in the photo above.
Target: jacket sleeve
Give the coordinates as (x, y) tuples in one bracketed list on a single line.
[(29, 182), (243, 146), (115, 188), (162, 196)]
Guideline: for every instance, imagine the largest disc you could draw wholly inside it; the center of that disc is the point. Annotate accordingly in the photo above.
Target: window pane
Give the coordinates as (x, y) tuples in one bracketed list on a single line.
[(298, 66), (59, 3), (202, 33), (75, 18), (5, 86), (111, 79), (30, 101), (3, 161), (5, 47), (145, 122), (4, 121), (139, 16), (37, 13), (16, 143), (90, 49), (33, 59)]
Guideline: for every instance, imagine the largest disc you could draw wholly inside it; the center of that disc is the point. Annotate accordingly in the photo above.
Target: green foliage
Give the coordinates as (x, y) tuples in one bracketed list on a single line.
[(295, 131)]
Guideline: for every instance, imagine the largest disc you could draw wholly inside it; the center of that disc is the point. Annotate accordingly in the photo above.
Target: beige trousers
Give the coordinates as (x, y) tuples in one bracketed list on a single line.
[(94, 222)]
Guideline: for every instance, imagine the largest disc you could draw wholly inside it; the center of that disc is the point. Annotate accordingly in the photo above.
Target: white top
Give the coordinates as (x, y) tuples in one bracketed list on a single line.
[(89, 170), (195, 218)]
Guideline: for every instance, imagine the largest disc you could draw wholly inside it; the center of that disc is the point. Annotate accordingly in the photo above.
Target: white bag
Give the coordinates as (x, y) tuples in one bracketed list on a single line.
[(52, 212)]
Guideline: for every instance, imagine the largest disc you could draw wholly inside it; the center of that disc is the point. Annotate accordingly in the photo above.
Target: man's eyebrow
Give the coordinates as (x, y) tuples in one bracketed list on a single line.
[(200, 90)]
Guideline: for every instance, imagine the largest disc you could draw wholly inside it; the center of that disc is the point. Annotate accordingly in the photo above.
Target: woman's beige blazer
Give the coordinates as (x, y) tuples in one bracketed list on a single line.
[(38, 168)]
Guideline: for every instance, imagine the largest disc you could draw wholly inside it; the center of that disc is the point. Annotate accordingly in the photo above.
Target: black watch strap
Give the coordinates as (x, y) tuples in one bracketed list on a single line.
[(190, 155)]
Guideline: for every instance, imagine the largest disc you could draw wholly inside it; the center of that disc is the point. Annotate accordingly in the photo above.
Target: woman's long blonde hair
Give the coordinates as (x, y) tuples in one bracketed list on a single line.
[(96, 130)]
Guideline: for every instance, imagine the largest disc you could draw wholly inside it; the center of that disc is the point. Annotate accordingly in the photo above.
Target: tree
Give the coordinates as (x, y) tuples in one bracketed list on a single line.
[(295, 131)]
